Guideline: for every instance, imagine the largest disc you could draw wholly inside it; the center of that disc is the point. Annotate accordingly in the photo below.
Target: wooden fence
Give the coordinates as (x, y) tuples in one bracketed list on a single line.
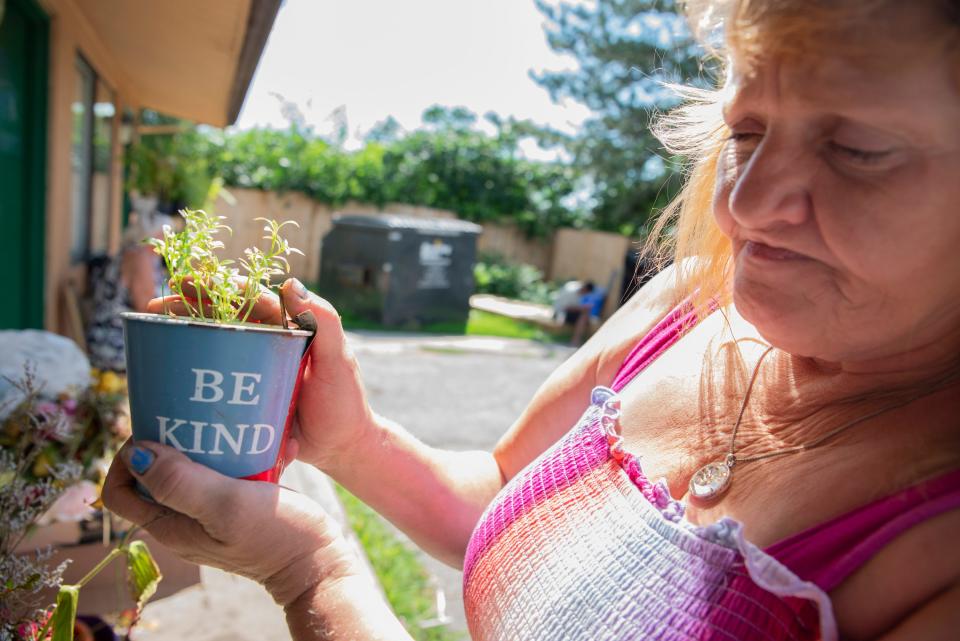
[(570, 254)]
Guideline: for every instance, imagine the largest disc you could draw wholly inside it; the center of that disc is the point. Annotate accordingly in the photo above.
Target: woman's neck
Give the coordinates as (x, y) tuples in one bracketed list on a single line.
[(797, 399), (906, 366)]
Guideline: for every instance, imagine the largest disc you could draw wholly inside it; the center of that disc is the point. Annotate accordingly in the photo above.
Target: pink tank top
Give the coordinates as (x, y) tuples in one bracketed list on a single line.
[(827, 553), (582, 545)]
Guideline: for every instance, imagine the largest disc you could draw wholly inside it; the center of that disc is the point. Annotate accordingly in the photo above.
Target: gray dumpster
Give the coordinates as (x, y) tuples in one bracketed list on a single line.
[(400, 271)]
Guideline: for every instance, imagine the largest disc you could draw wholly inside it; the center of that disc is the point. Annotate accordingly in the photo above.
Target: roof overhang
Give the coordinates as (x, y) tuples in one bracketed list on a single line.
[(185, 58)]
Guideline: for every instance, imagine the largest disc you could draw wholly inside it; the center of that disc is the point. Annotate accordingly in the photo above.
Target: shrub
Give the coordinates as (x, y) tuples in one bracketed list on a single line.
[(446, 164), (493, 274)]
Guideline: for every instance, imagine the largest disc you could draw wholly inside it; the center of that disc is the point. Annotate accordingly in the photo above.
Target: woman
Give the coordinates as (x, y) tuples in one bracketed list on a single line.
[(122, 283), (793, 381)]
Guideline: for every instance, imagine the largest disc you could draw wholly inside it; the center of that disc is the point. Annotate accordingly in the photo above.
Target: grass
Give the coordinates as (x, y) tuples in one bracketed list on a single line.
[(479, 323), (483, 323), (404, 580)]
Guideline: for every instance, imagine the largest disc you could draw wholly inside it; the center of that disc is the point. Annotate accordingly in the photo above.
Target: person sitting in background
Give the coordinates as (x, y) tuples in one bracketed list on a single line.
[(122, 283), (585, 312)]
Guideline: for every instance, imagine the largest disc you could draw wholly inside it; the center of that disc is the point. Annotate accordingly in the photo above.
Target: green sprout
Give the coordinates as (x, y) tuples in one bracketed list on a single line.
[(223, 294)]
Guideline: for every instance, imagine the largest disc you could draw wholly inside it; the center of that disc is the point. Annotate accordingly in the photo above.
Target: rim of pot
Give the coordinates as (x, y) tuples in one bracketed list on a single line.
[(209, 324)]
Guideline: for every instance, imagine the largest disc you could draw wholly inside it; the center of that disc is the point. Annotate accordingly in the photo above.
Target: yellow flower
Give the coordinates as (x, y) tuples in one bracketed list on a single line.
[(110, 383)]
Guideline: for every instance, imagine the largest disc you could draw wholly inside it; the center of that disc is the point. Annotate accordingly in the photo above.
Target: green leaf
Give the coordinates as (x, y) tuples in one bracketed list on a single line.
[(142, 573), (65, 616)]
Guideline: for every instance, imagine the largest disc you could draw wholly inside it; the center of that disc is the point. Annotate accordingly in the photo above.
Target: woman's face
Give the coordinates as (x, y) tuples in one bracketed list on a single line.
[(840, 191)]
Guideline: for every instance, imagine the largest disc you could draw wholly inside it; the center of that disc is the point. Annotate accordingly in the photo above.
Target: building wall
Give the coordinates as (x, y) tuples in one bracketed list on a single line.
[(71, 35)]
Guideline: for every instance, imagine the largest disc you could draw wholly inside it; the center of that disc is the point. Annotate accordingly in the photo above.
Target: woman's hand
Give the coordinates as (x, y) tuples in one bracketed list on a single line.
[(434, 496), (333, 416), (272, 535)]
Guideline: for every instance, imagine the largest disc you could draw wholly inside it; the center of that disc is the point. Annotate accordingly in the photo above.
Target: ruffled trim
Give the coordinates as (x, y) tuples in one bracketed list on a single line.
[(766, 571), (657, 493)]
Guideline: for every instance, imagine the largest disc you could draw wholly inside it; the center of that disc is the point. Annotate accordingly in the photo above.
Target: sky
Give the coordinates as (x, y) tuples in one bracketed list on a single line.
[(377, 58)]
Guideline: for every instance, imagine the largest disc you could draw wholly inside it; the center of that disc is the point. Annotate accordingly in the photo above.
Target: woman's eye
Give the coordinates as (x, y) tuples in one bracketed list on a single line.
[(861, 156)]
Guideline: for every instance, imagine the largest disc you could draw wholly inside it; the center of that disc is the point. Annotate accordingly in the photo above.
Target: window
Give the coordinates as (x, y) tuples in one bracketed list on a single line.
[(92, 144), (100, 190)]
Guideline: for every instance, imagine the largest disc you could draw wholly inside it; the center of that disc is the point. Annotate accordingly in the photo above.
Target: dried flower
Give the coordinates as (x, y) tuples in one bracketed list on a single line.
[(47, 447)]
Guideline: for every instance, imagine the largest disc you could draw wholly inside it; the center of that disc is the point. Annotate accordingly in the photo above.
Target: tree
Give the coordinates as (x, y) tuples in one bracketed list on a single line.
[(385, 131), (175, 167), (450, 163), (625, 51)]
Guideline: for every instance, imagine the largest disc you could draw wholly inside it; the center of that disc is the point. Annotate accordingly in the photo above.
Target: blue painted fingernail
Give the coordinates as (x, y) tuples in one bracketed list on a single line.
[(141, 459)]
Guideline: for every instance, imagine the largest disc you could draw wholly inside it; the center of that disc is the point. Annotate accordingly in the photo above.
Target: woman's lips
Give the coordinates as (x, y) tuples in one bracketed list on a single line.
[(766, 252)]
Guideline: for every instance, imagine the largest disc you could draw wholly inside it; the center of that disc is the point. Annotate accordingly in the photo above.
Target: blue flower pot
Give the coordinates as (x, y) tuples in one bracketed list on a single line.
[(221, 394)]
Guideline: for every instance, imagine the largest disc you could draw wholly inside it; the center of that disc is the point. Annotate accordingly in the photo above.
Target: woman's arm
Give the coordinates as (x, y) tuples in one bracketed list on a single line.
[(937, 620), (437, 496), (139, 273), (434, 496), (343, 609)]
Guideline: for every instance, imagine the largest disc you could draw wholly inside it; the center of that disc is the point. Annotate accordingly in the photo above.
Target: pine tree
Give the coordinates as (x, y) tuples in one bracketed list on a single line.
[(626, 50)]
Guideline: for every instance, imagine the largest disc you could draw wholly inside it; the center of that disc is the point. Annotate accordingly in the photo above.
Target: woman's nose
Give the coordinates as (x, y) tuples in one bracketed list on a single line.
[(773, 188)]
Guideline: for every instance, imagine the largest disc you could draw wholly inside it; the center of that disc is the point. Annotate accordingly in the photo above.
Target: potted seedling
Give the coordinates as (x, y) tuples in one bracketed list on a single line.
[(212, 384)]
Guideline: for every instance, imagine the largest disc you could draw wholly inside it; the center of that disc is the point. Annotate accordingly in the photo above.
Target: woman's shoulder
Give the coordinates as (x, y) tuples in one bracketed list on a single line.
[(562, 398), (909, 577)]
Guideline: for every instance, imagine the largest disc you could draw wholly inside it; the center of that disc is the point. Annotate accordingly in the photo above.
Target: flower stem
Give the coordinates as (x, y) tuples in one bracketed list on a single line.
[(114, 553)]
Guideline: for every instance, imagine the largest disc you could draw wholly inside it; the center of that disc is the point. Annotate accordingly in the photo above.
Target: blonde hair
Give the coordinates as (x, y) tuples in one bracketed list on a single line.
[(685, 232)]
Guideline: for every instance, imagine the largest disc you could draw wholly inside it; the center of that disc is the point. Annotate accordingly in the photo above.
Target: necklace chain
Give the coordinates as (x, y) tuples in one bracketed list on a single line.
[(731, 456), (713, 479)]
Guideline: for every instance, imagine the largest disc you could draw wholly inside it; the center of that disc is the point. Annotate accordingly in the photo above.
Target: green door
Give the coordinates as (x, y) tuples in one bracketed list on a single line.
[(23, 121)]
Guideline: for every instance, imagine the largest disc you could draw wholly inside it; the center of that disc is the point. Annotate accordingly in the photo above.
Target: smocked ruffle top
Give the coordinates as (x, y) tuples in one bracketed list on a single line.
[(582, 545)]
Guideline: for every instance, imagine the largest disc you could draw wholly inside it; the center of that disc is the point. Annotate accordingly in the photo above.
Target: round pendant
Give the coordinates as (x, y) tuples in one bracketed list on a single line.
[(711, 480)]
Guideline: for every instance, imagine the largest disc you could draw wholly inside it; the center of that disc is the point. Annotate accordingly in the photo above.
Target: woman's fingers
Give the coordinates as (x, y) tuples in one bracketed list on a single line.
[(266, 309), (290, 451), (121, 497), (178, 532), (174, 305), (184, 536), (174, 481), (277, 537), (306, 308)]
